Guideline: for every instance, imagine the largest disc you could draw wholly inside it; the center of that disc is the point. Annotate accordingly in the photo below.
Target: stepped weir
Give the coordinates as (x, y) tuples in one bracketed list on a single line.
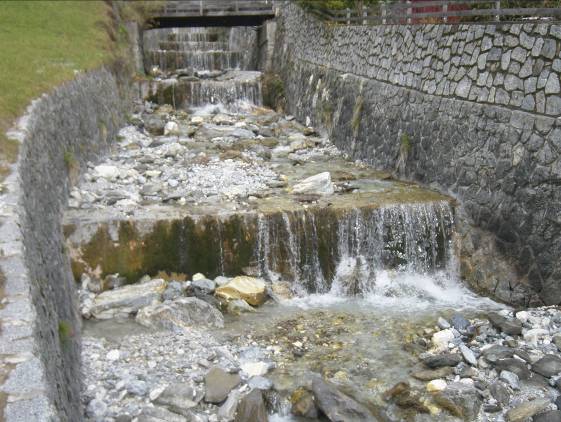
[(207, 188)]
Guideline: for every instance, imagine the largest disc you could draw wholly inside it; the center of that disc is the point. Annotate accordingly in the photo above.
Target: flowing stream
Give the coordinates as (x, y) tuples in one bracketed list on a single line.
[(363, 277)]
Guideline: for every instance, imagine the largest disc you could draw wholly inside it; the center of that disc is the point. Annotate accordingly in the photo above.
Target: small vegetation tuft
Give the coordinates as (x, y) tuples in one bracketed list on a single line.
[(273, 91), (65, 332)]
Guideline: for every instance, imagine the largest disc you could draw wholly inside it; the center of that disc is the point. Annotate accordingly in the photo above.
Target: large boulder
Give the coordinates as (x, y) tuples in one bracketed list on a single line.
[(127, 300), (252, 290), (218, 384), (252, 408), (338, 406), (319, 184), (179, 314)]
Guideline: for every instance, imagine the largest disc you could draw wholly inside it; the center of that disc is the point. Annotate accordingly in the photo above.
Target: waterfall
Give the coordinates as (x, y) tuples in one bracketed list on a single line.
[(347, 251), (202, 66)]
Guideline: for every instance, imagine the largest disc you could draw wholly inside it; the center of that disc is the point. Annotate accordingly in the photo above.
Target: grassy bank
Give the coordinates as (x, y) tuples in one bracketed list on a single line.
[(42, 44)]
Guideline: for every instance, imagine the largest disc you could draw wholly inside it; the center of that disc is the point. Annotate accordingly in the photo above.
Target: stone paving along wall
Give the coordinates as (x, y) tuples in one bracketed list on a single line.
[(40, 325), (470, 109)]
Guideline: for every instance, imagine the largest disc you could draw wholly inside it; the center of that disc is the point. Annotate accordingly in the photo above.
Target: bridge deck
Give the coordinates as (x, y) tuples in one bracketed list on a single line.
[(216, 8)]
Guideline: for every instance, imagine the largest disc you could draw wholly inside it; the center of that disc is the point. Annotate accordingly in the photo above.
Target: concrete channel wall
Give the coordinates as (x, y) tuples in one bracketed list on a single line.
[(473, 110), (40, 325)]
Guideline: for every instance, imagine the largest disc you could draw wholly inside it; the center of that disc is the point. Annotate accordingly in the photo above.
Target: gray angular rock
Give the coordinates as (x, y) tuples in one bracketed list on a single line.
[(218, 384), (526, 410), (510, 378), (126, 300), (500, 393), (549, 416), (460, 399), (179, 314), (513, 365), (180, 397), (443, 359), (252, 408), (512, 327), (468, 355), (547, 366), (336, 405), (204, 285)]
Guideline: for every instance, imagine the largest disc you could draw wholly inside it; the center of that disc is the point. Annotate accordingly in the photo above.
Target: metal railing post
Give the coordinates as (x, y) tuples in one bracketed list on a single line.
[(498, 7), (364, 14), (201, 8), (383, 7), (445, 10), (409, 12), (348, 16)]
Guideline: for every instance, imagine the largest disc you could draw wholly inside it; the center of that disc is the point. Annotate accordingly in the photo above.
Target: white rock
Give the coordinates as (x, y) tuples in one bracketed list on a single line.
[(171, 128), (199, 276), (106, 171), (113, 355), (197, 120), (440, 339), (532, 336), (522, 316), (436, 385), (318, 184), (255, 369)]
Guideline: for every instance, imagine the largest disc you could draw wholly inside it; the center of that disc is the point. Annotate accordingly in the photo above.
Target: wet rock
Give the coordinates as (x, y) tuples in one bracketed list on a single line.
[(442, 323), (460, 399), (547, 366), (180, 314), (319, 184), (429, 375), (440, 339), (336, 405), (526, 410), (303, 404), (126, 300), (511, 327), (281, 289), (180, 397), (252, 408), (261, 383), (238, 307), (218, 384), (444, 359), (549, 416), (406, 398), (250, 289), (436, 385), (459, 322), (171, 128), (514, 365)]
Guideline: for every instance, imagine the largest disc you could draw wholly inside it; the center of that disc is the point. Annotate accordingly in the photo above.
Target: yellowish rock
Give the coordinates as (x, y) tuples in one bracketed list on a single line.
[(250, 289), (436, 385)]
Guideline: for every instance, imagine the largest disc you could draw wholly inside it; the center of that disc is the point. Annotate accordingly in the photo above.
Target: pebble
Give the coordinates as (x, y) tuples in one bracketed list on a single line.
[(436, 385)]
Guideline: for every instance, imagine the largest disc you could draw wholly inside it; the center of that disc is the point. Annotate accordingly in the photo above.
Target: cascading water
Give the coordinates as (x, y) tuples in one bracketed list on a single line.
[(199, 66)]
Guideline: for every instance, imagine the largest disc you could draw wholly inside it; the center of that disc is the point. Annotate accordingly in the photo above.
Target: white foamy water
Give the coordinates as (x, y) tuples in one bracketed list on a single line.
[(402, 292)]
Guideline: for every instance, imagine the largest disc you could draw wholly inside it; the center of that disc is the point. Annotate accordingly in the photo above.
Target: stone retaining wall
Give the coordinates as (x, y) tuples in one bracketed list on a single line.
[(470, 109), (40, 325)]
